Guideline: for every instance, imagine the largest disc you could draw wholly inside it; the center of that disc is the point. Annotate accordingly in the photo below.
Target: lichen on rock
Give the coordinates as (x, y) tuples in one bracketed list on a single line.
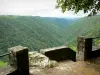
[(41, 61)]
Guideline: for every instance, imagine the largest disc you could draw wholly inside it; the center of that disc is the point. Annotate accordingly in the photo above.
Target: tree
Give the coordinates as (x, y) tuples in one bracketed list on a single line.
[(88, 6)]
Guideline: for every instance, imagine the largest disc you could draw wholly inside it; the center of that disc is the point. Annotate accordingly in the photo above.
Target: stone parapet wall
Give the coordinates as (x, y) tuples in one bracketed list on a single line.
[(80, 48), (84, 48), (59, 53), (19, 60)]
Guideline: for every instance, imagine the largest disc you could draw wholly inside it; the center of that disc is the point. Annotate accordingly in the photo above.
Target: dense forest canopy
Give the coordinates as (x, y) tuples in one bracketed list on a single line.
[(88, 6), (39, 32), (33, 32)]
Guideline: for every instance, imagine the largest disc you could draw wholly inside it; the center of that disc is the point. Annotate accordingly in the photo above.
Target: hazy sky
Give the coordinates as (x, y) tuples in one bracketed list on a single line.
[(44, 8)]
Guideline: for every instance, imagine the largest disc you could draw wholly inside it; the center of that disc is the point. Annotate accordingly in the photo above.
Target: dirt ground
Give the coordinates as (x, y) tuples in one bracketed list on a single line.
[(5, 70), (90, 67)]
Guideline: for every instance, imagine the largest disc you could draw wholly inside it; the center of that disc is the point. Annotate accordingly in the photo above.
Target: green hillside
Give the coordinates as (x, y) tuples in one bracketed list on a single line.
[(39, 32), (87, 26), (33, 32)]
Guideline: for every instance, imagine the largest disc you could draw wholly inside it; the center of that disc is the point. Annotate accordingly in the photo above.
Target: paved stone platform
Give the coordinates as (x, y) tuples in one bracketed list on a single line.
[(90, 67)]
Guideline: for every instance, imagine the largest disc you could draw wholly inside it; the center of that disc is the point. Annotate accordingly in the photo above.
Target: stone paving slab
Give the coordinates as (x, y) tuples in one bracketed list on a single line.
[(90, 67)]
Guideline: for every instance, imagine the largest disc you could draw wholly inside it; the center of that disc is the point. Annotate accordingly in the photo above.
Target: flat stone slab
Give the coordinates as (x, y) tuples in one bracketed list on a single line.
[(17, 48), (52, 49)]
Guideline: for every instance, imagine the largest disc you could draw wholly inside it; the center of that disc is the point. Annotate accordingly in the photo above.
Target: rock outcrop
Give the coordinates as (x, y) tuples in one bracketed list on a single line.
[(41, 61)]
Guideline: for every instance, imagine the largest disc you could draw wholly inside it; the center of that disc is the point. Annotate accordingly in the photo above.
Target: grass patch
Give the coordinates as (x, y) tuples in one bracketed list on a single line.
[(2, 64), (74, 48)]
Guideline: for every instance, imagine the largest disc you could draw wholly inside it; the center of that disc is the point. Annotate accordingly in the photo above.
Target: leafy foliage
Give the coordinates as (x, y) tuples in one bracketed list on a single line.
[(76, 5), (2, 64)]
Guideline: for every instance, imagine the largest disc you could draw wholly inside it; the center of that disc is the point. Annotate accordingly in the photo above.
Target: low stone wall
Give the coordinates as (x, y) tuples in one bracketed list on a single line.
[(84, 46), (95, 53), (19, 60), (59, 53)]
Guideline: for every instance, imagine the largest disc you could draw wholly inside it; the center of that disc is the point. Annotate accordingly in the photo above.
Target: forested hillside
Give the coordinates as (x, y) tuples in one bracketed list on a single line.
[(87, 26), (33, 32), (39, 32)]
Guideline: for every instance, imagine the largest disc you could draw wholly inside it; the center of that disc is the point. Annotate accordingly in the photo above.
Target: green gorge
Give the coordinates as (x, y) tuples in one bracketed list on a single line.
[(33, 32), (37, 32)]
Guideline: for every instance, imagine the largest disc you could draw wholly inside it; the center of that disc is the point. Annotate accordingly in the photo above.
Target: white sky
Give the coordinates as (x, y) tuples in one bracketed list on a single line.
[(45, 8)]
